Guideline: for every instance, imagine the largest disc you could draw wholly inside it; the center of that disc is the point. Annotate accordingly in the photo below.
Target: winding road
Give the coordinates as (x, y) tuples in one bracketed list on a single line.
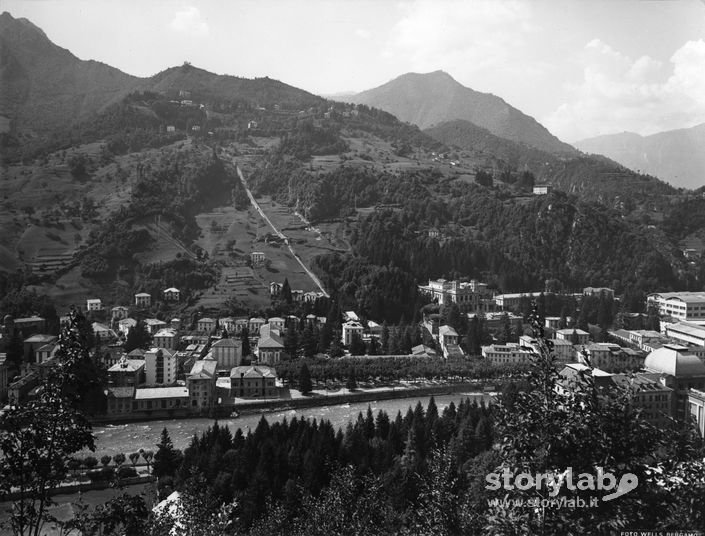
[(281, 235)]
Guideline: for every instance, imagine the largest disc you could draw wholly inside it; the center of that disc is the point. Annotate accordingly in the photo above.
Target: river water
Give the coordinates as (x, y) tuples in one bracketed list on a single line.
[(127, 438)]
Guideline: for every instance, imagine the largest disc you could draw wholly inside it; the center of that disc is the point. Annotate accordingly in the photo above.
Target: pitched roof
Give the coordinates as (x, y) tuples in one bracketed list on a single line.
[(227, 343), (253, 372), (204, 368), (270, 341), (150, 393), (447, 330), (121, 392)]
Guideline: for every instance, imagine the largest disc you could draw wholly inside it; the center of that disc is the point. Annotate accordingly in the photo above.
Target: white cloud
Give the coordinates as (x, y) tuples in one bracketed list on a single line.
[(458, 34), (642, 95), (363, 33), (188, 20)]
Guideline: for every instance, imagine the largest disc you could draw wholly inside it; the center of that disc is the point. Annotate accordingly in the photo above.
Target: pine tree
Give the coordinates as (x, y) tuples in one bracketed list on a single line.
[(351, 384), (167, 458), (286, 292), (245, 339), (305, 385), (138, 337)]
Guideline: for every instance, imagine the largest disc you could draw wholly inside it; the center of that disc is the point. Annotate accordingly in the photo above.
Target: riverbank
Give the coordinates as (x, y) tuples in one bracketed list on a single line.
[(293, 399)]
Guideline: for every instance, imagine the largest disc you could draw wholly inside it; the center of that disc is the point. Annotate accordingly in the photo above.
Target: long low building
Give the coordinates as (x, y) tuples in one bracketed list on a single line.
[(506, 354), (687, 332)]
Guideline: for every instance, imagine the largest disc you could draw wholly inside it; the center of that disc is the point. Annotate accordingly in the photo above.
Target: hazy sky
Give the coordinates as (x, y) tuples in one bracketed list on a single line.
[(581, 67)]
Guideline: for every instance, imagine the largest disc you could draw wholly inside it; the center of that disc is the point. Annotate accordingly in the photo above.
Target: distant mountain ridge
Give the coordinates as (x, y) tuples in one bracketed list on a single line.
[(44, 87), (675, 156), (591, 176), (433, 98)]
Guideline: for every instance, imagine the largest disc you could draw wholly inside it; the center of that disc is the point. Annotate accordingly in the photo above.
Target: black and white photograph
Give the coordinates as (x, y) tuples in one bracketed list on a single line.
[(352, 267)]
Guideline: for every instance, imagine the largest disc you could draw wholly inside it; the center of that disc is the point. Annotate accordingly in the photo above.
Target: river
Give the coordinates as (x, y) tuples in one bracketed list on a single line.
[(127, 438)]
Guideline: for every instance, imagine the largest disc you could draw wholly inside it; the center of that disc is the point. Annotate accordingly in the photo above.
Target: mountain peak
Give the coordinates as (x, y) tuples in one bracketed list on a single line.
[(7, 21), (436, 97)]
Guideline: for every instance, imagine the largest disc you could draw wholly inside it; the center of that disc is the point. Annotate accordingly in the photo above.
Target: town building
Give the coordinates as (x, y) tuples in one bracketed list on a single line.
[(46, 353), (475, 295), (206, 325), (166, 399), (686, 333), (94, 304), (201, 383), (277, 323), (127, 373), (154, 325), (350, 329), (34, 343), (19, 390), (448, 339), (696, 409), (675, 367), (120, 400), (423, 351), (26, 326), (653, 398), (4, 378), (610, 356), (119, 312), (125, 325), (510, 353), (574, 336), (270, 348), (166, 338), (685, 306), (253, 382), (510, 302), (227, 353), (255, 323), (143, 300), (552, 322), (599, 291), (160, 367), (102, 332)]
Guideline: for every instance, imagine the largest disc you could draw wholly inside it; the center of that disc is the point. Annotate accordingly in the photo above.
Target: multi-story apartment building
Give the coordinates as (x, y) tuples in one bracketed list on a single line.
[(160, 367), (688, 306)]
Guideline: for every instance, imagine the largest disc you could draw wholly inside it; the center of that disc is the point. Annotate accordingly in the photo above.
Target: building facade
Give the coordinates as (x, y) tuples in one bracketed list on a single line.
[(160, 367)]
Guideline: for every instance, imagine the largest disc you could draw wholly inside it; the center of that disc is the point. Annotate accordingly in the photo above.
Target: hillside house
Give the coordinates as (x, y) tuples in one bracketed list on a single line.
[(542, 189), (34, 343), (206, 325), (154, 325), (275, 289), (447, 336), (102, 332), (143, 300), (170, 128), (171, 294), (257, 259), (277, 323), (94, 304), (254, 324), (166, 338), (350, 329), (119, 312), (125, 325)]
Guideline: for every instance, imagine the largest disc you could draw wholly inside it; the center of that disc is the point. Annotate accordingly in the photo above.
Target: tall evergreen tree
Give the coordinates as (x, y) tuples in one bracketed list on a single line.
[(138, 337), (167, 458), (305, 385)]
